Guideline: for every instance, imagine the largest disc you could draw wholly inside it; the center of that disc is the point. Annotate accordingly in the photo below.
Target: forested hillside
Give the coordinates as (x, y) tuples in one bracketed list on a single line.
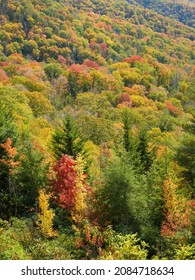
[(97, 145), (183, 11)]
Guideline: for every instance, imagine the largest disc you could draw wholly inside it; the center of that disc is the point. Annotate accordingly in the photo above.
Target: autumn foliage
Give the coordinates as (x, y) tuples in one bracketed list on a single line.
[(70, 186), (135, 58), (64, 184), (97, 129), (178, 212), (125, 99), (10, 155), (45, 216)]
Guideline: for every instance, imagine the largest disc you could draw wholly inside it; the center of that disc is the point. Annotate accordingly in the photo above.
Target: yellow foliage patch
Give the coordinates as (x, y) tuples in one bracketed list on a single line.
[(46, 215)]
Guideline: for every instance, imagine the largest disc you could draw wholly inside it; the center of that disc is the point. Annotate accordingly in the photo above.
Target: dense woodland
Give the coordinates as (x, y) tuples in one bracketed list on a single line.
[(97, 144), (182, 11)]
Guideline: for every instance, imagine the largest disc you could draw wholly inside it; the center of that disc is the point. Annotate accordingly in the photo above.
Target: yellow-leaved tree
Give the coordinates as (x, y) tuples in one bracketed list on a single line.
[(78, 212), (178, 212), (46, 215)]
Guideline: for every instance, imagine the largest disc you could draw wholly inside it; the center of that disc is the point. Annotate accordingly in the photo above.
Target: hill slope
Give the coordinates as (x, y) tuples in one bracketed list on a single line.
[(97, 106), (44, 28), (183, 11)]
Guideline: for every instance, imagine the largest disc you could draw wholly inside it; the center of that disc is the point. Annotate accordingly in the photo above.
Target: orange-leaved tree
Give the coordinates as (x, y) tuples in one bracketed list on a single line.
[(8, 164), (178, 212)]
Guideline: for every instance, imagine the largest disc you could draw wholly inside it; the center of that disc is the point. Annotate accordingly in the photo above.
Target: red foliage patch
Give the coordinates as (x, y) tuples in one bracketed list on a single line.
[(64, 184), (124, 98), (76, 68), (61, 59), (92, 45), (3, 77), (103, 48), (172, 109), (134, 58), (91, 64), (3, 63)]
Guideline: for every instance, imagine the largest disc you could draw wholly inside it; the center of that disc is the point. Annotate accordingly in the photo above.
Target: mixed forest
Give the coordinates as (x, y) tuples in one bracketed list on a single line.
[(97, 131)]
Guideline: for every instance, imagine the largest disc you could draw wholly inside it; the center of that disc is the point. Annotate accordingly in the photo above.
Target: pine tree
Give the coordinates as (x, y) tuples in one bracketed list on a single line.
[(31, 176), (126, 135), (73, 88), (130, 144), (67, 139), (144, 153)]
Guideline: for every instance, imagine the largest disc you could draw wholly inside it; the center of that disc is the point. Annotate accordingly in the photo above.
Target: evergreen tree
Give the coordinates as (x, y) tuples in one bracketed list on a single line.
[(114, 196), (123, 196), (186, 155), (3, 6), (31, 176), (144, 153), (73, 88), (130, 144), (126, 136), (7, 130), (67, 139)]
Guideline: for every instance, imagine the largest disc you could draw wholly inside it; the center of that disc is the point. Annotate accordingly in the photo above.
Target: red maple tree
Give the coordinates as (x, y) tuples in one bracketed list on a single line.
[(64, 184)]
